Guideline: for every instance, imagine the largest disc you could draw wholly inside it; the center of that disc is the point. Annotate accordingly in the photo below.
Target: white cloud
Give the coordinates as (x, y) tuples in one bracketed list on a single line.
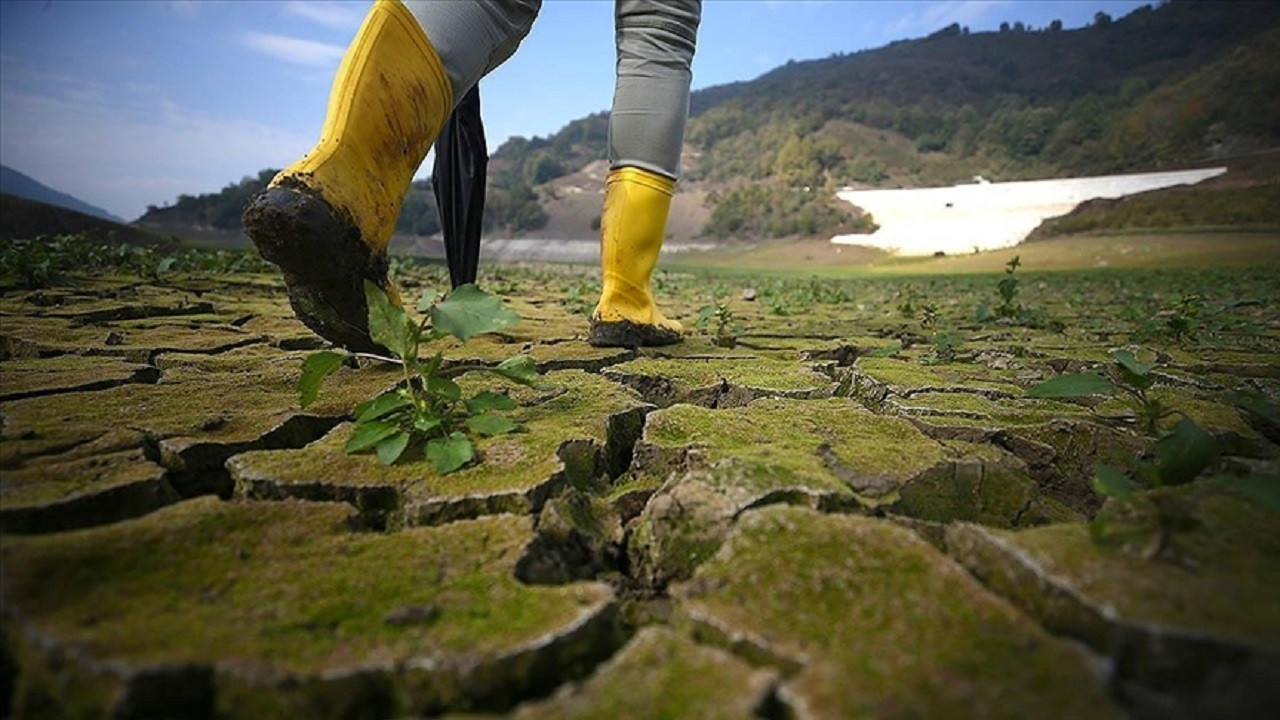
[(136, 149), (186, 7), (293, 50), (937, 15), (336, 15)]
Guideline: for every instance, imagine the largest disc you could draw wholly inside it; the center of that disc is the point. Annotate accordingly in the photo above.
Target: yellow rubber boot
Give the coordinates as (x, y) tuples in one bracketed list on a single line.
[(327, 219), (632, 225)]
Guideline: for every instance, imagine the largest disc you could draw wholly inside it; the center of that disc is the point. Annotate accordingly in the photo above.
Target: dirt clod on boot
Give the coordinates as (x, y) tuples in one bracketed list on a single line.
[(323, 258), (624, 333)]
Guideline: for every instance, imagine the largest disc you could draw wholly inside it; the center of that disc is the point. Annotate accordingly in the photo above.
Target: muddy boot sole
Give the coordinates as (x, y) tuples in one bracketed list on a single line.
[(625, 333), (324, 260)]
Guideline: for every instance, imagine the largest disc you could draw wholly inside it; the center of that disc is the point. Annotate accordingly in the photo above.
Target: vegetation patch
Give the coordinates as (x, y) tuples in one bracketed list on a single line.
[(849, 601)]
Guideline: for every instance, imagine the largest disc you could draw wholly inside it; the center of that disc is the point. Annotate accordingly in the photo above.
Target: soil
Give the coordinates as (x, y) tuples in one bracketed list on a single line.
[(842, 504)]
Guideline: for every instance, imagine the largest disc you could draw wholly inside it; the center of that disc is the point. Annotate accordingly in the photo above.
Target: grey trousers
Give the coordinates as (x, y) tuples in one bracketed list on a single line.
[(655, 42)]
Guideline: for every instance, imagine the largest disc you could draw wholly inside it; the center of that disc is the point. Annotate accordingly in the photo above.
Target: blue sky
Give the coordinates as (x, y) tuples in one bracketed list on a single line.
[(130, 103)]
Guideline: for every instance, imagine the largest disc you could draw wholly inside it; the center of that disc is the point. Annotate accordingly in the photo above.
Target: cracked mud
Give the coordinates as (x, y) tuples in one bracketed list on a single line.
[(834, 517)]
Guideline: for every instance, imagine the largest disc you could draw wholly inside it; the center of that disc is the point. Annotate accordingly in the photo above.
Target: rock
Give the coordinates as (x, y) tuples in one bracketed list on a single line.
[(876, 379), (1207, 639), (203, 410), (579, 537), (278, 610), (56, 494), (25, 378), (870, 621), (133, 340), (719, 382), (828, 454)]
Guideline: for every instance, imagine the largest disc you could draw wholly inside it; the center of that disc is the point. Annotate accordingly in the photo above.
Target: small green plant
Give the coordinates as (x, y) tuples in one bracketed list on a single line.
[(907, 305), (929, 315), (580, 297), (1008, 289), (727, 326), (46, 261), (1009, 309), (427, 410), (1153, 510), (1127, 376), (1181, 322), (944, 348), (1149, 509)]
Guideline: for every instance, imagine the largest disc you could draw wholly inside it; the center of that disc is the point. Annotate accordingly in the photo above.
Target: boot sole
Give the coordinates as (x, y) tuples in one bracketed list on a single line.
[(323, 258), (625, 333)]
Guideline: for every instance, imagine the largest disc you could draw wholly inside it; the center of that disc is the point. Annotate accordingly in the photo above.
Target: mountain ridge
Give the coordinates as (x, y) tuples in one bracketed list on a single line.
[(19, 184), (1161, 88)]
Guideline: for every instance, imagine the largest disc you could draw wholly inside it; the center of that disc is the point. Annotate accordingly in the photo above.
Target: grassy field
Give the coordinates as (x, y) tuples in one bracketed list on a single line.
[(1136, 250)]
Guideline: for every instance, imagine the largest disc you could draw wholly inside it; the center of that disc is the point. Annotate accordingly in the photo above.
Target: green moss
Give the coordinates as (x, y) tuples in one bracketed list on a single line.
[(663, 676), (136, 342), (903, 376), (66, 373), (564, 355), (1006, 411), (981, 492), (1233, 593), (775, 443), (284, 588), (702, 380), (230, 398), (48, 482), (853, 601)]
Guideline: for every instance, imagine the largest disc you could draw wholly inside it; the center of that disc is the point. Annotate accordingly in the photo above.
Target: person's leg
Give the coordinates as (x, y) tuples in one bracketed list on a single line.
[(655, 42), (474, 37), (327, 219)]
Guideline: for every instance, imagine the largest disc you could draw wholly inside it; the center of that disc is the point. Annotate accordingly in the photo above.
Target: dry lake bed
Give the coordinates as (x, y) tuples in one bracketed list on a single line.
[(835, 499)]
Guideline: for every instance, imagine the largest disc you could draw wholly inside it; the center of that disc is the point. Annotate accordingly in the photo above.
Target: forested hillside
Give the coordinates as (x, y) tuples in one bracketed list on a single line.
[(1167, 86)]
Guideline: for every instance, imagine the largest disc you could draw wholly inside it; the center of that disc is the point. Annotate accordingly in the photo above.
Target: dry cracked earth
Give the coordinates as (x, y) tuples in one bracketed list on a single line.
[(824, 513)]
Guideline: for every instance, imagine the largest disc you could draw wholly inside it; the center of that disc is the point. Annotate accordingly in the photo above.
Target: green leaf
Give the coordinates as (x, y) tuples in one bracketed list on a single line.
[(384, 404), (390, 449), (1111, 482), (449, 454), (1262, 488), (369, 434), (1135, 374), (1130, 362), (443, 387), (704, 316), (424, 423), (1257, 404), (489, 424), (470, 311), (1184, 453), (521, 369), (1075, 385), (489, 400), (389, 326), (315, 368), (429, 296)]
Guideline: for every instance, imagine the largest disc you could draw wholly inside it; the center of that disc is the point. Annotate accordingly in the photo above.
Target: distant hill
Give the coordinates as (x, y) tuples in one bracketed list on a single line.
[(25, 219), (217, 213), (24, 186), (1169, 86), (1163, 87)]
